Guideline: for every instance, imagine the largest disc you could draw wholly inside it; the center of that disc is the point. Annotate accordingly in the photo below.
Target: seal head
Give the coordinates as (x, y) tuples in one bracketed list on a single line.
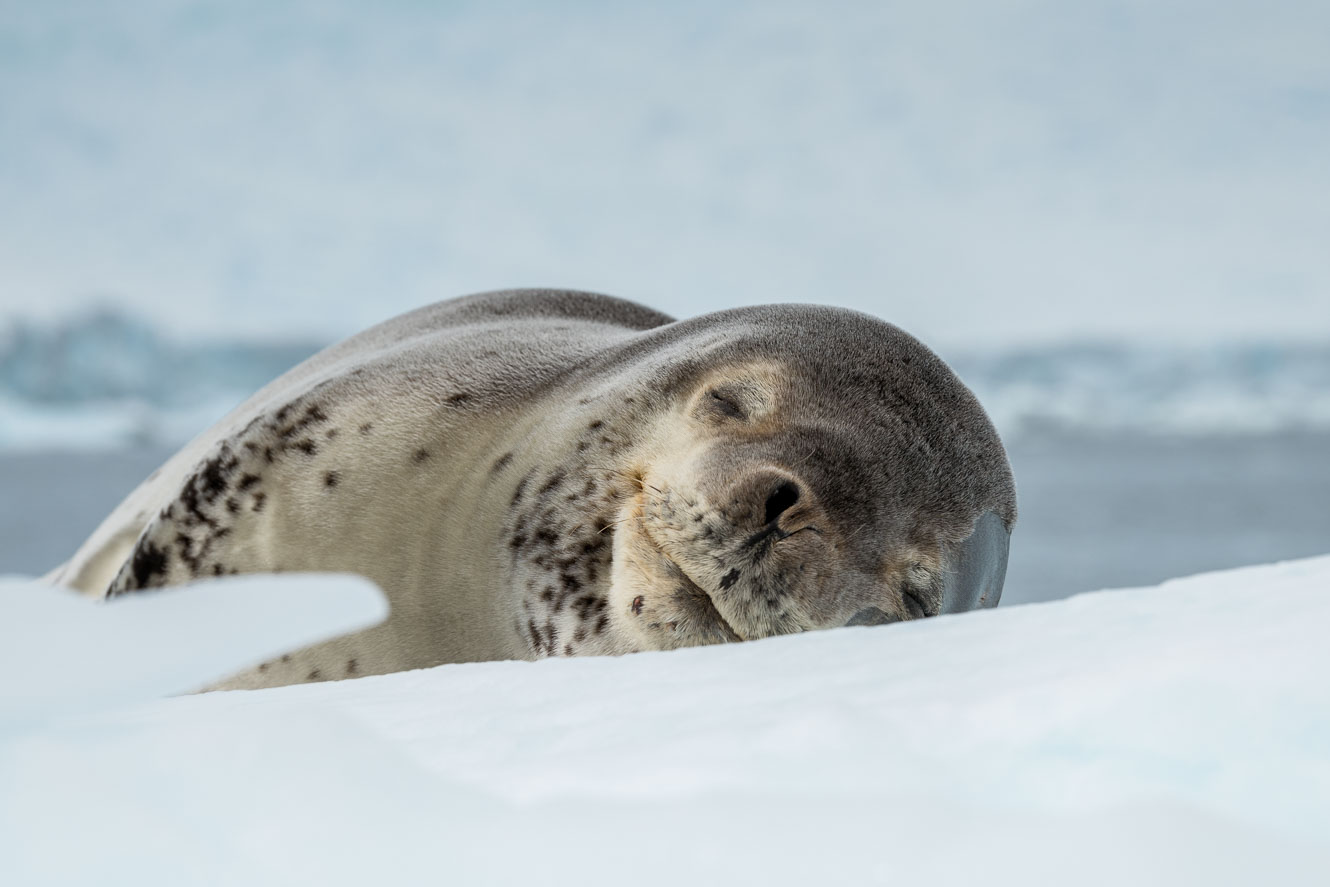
[(823, 469)]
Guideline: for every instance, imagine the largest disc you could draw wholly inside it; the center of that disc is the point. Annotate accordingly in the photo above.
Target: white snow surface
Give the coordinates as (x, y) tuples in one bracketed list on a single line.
[(1170, 735), (76, 655)]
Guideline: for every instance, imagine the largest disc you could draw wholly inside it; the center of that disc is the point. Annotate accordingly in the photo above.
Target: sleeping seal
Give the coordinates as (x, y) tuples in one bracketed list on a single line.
[(546, 473)]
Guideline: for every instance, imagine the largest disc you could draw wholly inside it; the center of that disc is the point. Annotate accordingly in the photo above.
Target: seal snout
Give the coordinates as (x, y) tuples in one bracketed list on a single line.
[(765, 500)]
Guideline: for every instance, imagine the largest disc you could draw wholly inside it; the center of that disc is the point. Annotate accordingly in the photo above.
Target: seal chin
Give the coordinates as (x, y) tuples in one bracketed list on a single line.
[(655, 600)]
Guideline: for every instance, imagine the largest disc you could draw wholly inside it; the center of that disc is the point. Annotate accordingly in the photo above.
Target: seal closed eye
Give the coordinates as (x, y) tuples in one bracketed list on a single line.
[(543, 473)]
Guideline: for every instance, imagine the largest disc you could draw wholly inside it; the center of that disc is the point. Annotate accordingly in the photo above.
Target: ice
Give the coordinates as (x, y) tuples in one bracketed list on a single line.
[(1170, 735), (67, 653)]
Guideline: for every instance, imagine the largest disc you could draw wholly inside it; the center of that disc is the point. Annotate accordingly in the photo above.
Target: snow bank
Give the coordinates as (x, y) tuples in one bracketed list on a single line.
[(1172, 735), (67, 653)]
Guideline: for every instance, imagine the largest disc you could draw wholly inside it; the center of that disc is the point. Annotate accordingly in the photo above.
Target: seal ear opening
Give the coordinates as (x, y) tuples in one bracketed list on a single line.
[(977, 567)]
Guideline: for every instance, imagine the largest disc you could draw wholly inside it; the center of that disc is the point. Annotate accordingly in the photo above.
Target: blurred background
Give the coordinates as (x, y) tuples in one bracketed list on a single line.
[(1112, 218)]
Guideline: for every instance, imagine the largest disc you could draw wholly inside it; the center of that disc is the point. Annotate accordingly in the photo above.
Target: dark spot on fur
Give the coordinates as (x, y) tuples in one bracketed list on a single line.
[(307, 447), (330, 478), (637, 605), (588, 605), (554, 480), (594, 425), (521, 487), (218, 569), (501, 463), (567, 649), (263, 666), (246, 481), (149, 561), (420, 456), (601, 623), (579, 635), (286, 657), (351, 666), (330, 433), (267, 454), (459, 399), (212, 479), (728, 580), (189, 499), (187, 554), (259, 499), (314, 675), (366, 428)]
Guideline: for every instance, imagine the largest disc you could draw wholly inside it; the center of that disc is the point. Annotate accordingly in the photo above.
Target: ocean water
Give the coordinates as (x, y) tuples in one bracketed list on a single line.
[(108, 378)]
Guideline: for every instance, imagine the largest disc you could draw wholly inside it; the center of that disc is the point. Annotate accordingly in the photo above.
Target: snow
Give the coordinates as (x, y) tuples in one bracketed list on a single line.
[(1169, 735), (76, 655)]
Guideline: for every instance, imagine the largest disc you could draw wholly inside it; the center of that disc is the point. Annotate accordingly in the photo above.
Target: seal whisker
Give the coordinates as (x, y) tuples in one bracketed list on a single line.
[(612, 524), (632, 476)]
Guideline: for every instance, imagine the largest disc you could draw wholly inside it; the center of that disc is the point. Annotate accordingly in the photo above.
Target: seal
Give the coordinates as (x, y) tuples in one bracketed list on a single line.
[(539, 473)]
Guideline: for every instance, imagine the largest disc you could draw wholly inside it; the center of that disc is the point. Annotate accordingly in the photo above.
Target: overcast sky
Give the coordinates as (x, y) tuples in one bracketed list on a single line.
[(980, 173)]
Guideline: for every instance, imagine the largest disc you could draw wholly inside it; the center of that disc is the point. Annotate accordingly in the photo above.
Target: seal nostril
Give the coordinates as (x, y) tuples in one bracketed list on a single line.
[(781, 499)]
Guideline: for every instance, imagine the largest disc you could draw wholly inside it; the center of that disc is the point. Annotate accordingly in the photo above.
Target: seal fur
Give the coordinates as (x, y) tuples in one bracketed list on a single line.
[(550, 473)]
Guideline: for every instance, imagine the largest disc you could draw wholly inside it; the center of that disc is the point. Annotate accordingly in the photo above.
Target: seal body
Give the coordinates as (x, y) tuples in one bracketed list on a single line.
[(549, 473)]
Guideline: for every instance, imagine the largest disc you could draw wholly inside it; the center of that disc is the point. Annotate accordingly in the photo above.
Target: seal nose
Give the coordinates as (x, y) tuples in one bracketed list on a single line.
[(762, 497), (781, 499)]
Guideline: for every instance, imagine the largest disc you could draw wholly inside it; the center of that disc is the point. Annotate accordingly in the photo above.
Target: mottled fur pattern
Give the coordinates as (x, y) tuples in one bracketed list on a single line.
[(540, 473)]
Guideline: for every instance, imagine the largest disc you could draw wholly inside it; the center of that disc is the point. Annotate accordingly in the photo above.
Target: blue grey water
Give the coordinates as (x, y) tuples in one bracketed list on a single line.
[(1097, 510)]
